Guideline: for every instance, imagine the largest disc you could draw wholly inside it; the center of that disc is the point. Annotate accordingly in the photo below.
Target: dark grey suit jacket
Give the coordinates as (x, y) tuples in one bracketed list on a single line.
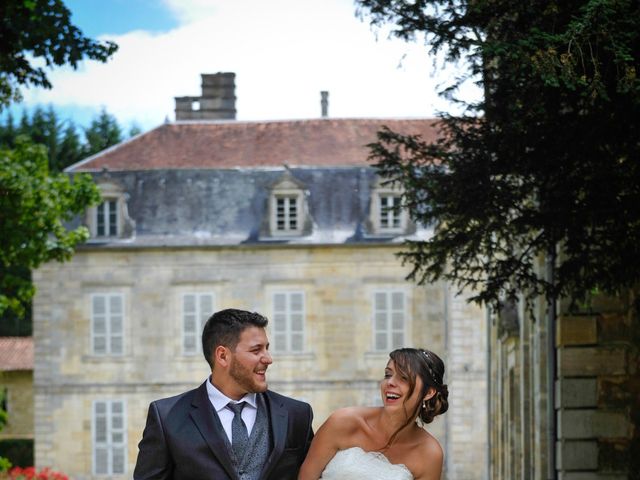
[(184, 439)]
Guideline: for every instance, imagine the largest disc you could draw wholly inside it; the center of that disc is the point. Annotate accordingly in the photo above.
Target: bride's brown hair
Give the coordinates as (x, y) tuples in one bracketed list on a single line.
[(417, 362)]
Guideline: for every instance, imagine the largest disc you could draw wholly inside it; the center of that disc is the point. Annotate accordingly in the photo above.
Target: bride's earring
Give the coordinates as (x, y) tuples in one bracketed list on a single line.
[(424, 404)]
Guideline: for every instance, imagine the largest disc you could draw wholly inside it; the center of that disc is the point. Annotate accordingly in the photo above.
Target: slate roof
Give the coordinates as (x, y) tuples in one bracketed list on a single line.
[(16, 353), (208, 183), (232, 144)]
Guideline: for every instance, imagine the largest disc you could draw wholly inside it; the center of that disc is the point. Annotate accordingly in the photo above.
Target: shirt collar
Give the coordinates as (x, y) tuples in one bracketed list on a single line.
[(219, 400)]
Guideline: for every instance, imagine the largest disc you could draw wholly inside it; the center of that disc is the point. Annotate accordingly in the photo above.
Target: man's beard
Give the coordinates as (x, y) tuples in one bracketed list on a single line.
[(244, 377)]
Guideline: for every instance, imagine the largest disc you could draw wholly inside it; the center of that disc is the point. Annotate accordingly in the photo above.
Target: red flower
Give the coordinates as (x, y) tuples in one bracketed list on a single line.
[(30, 473)]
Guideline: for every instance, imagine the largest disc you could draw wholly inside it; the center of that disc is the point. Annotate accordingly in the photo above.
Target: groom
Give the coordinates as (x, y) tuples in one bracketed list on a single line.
[(231, 427)]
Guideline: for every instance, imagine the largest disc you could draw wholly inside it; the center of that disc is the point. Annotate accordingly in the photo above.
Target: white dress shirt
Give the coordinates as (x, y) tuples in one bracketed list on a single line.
[(219, 401)]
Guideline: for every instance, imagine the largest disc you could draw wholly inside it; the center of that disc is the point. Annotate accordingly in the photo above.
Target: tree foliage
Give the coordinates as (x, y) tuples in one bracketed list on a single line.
[(66, 143), (546, 165), (40, 31), (34, 205), (103, 132)]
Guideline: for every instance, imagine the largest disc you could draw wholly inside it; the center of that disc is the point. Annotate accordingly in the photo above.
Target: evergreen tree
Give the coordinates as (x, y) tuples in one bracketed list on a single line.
[(70, 148), (546, 165), (102, 133), (64, 144), (25, 124), (134, 130), (8, 131)]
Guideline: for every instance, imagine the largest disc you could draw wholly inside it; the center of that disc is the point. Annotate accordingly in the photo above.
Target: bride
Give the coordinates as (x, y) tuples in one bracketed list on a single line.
[(386, 442)]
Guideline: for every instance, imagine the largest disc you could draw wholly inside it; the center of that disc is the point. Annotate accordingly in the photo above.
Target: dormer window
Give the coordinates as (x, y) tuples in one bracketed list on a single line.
[(288, 214), (109, 219), (388, 217), (390, 212), (287, 208)]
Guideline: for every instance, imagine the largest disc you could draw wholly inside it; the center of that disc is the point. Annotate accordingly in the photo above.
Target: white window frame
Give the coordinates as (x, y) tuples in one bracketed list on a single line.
[(282, 332), (112, 207), (393, 216), (108, 218), (110, 445), (292, 199), (386, 316), (111, 332), (200, 316), (397, 220)]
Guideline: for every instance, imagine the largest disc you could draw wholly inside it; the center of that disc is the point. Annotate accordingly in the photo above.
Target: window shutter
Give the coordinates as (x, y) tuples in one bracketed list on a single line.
[(99, 324), (280, 322), (389, 320), (196, 309), (109, 442), (101, 451), (118, 439), (288, 321), (116, 310)]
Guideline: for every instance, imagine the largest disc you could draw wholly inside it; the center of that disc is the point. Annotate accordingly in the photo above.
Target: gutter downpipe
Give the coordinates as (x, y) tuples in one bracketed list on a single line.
[(487, 473), (551, 369)]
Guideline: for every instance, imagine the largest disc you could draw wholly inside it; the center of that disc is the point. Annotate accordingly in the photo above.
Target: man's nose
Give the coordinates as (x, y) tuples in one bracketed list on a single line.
[(267, 358)]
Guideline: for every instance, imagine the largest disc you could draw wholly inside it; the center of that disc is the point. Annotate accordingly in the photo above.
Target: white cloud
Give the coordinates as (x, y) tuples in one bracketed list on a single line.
[(284, 52)]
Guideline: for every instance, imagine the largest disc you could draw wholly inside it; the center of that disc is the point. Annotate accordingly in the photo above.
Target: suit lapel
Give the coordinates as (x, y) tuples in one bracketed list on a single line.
[(278, 419), (208, 423)]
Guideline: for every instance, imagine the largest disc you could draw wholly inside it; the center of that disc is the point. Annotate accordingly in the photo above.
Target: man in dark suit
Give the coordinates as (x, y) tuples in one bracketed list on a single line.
[(231, 427)]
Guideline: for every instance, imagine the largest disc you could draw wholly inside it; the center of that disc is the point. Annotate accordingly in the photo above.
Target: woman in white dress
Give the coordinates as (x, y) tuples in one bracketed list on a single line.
[(358, 443)]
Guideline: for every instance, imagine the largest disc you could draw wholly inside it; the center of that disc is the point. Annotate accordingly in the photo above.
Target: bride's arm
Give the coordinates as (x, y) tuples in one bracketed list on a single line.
[(326, 442)]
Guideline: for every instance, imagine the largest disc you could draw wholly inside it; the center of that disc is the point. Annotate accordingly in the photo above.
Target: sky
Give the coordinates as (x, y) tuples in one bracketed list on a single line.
[(283, 52)]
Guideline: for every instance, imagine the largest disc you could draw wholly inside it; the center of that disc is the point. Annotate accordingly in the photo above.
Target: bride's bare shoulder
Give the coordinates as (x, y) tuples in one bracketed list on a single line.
[(427, 459), (349, 419)]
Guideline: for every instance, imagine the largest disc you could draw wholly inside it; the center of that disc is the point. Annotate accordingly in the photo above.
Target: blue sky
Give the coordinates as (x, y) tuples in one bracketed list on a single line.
[(100, 17), (284, 52)]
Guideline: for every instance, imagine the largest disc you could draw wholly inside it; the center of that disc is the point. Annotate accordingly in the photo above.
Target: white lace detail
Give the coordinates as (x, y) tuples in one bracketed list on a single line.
[(356, 464)]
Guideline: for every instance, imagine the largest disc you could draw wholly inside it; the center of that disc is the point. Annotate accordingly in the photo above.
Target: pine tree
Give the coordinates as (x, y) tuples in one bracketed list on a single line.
[(546, 165), (102, 133)]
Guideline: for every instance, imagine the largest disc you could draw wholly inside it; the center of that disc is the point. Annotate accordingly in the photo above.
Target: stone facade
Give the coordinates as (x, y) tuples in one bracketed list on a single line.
[(200, 216), (338, 366), (596, 395)]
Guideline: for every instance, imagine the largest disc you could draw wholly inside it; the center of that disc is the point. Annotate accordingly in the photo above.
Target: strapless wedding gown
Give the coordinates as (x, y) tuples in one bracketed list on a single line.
[(356, 464)]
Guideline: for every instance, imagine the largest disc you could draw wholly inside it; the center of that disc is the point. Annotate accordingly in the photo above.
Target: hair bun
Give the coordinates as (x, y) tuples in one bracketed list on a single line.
[(436, 405)]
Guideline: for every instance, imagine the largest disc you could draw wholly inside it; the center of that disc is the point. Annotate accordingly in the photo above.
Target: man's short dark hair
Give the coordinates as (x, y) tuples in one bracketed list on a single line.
[(224, 328)]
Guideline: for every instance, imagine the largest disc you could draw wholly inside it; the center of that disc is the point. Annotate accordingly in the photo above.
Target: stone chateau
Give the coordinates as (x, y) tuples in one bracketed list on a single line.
[(287, 218)]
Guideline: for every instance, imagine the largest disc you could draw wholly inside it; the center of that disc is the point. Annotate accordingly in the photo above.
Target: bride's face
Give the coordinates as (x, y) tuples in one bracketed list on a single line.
[(395, 389)]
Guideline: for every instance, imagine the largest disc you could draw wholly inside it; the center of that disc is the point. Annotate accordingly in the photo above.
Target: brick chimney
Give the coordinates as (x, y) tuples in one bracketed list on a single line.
[(324, 103), (218, 100)]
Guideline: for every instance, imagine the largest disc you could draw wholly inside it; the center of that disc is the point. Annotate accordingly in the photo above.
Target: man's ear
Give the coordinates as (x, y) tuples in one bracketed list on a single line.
[(221, 356)]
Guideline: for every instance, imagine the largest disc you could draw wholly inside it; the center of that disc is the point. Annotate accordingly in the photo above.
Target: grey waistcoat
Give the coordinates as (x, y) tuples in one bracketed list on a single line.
[(259, 447)]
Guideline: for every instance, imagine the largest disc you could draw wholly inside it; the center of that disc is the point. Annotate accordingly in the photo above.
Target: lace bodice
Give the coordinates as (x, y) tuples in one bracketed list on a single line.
[(356, 464)]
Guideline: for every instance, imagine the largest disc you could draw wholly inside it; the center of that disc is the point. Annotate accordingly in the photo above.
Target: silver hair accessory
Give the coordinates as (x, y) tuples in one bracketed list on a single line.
[(428, 362)]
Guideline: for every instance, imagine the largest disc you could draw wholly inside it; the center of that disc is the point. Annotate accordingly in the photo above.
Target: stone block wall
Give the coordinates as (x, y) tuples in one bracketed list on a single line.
[(338, 366), (598, 390)]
